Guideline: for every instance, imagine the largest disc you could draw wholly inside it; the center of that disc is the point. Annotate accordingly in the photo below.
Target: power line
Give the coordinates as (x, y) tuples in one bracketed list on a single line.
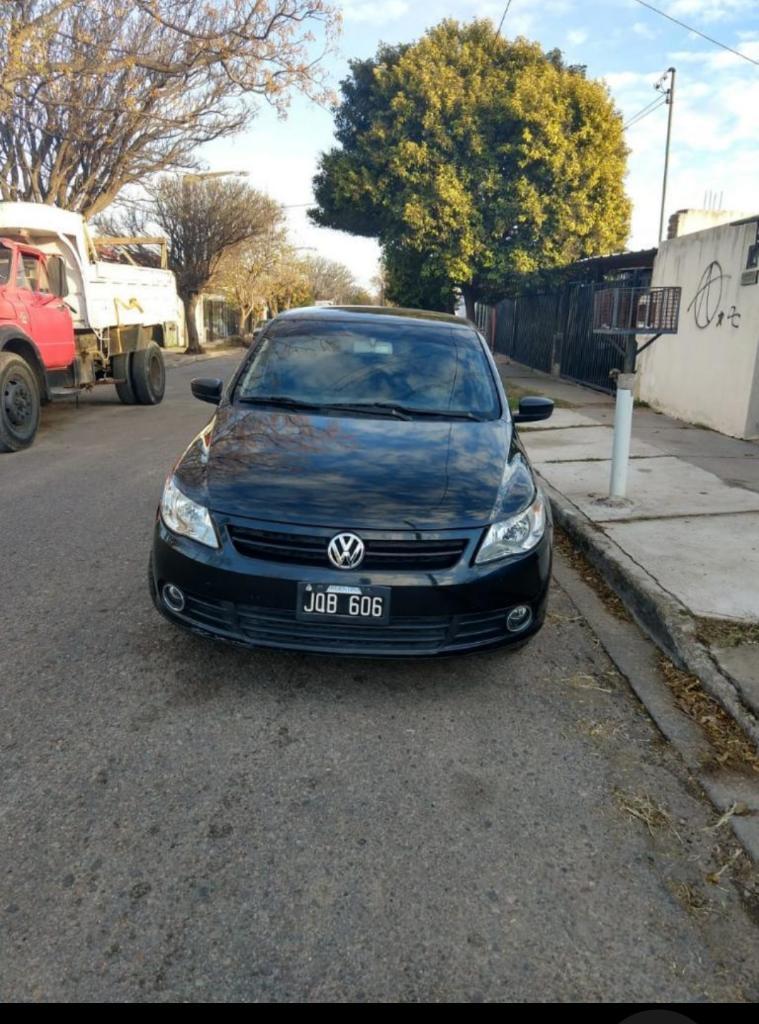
[(643, 111), (503, 17), (660, 101), (703, 35)]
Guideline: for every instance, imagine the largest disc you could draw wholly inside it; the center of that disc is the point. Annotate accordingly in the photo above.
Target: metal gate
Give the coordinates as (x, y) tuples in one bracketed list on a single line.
[(505, 322), (556, 328), (534, 329), (587, 358)]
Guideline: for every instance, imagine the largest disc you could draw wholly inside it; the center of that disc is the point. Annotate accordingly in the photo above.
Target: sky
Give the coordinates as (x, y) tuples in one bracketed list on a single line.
[(715, 127)]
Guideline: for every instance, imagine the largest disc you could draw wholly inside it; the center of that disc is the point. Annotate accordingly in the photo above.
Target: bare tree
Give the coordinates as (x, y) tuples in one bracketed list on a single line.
[(246, 272), (98, 94), (329, 279), (287, 284), (205, 220)]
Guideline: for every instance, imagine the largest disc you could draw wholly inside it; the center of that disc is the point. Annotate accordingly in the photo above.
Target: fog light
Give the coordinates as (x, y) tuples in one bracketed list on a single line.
[(519, 618), (173, 597)]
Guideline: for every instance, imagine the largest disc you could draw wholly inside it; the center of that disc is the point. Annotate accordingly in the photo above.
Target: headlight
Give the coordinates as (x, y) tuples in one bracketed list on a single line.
[(516, 535), (185, 517)]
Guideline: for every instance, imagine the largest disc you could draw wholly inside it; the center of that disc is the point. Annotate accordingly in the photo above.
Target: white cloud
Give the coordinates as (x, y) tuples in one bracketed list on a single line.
[(713, 142), (717, 60), (640, 28), (377, 12), (577, 36), (619, 80), (709, 10)]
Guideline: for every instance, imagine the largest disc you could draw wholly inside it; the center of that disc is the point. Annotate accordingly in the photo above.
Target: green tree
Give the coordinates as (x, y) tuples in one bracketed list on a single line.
[(485, 158), (410, 282)]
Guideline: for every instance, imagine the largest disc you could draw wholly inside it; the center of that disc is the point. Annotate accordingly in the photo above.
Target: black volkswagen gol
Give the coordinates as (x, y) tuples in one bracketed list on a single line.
[(360, 490)]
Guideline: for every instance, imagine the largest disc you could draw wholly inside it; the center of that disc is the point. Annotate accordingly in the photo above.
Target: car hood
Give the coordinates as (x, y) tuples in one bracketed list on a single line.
[(354, 471)]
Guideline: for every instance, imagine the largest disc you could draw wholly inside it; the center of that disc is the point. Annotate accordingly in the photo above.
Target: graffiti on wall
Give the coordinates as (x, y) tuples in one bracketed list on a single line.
[(707, 302)]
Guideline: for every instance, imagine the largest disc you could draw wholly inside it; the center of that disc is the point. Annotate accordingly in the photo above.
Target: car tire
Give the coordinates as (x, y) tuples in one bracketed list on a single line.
[(148, 374), (19, 403), (121, 368)]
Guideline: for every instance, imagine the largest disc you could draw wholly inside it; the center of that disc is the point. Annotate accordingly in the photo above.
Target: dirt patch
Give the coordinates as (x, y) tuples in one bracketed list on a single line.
[(718, 633), (733, 750), (591, 576)]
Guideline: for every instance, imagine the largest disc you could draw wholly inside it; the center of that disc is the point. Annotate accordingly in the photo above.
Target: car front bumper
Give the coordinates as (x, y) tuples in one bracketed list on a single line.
[(250, 601)]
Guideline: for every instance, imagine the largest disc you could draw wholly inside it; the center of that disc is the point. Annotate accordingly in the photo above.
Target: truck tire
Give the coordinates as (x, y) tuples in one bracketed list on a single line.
[(148, 374), (19, 403), (121, 368)]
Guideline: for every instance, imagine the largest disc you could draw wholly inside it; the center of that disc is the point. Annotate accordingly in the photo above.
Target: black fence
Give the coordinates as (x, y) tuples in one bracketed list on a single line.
[(553, 332)]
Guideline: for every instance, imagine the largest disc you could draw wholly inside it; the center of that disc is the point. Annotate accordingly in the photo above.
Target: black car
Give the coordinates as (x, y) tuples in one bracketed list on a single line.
[(361, 489)]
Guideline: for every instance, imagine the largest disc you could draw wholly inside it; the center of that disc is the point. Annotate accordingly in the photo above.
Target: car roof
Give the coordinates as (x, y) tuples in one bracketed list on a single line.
[(379, 313)]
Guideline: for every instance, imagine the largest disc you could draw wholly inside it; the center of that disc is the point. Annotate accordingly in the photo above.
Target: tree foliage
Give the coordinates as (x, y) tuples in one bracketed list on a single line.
[(204, 221), (249, 275), (98, 94), (408, 281), (266, 274), (474, 160)]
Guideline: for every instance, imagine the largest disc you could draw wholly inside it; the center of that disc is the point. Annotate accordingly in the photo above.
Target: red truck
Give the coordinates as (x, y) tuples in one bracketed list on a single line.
[(69, 320)]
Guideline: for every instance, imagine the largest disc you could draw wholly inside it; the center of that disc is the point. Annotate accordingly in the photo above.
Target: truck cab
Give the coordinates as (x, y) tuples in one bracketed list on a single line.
[(71, 320), (30, 304)]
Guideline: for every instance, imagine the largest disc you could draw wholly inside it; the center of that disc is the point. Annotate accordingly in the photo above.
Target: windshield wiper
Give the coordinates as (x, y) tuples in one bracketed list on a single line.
[(401, 412), (446, 414), (406, 412), (383, 408), (281, 400)]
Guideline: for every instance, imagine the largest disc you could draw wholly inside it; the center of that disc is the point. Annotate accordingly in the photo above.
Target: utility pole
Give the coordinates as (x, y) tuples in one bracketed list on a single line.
[(669, 99)]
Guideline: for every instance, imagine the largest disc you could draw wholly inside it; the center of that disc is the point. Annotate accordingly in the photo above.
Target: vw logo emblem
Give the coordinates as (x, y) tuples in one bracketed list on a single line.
[(346, 551)]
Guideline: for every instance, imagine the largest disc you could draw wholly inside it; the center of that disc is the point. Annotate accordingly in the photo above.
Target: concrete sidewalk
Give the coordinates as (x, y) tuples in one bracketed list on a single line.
[(691, 529)]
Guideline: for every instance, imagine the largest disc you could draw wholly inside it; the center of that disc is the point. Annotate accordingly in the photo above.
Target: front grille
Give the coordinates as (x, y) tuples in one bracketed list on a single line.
[(279, 627), (305, 549)]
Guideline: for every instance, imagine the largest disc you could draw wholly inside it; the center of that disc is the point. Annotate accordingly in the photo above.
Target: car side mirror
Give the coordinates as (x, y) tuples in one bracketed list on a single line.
[(533, 409), (56, 273), (207, 389)]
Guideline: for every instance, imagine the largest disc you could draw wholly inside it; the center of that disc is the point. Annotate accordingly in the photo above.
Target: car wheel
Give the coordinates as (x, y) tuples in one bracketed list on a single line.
[(121, 367), (19, 403), (148, 374)]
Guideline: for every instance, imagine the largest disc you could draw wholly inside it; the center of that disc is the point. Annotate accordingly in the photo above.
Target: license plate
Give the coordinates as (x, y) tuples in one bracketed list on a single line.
[(329, 602)]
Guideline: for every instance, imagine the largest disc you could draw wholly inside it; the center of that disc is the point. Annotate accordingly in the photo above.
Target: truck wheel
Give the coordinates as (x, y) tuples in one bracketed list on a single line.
[(19, 403), (148, 374), (121, 367)]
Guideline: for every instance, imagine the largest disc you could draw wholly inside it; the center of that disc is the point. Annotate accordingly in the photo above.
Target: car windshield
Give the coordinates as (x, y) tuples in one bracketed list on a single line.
[(405, 367)]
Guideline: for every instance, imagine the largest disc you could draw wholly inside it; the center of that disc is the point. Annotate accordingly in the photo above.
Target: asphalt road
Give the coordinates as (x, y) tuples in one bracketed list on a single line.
[(185, 820)]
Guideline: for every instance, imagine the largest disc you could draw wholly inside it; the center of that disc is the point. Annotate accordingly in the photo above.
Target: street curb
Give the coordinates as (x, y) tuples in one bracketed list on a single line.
[(633, 653), (657, 612)]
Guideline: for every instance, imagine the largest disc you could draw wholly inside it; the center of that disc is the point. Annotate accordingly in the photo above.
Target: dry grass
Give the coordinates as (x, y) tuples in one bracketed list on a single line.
[(732, 748), (582, 681), (690, 899), (645, 809), (591, 576), (718, 633), (601, 730)]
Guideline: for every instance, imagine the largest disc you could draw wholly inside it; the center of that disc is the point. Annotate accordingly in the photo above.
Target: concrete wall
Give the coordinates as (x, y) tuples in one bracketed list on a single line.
[(685, 222), (708, 373)]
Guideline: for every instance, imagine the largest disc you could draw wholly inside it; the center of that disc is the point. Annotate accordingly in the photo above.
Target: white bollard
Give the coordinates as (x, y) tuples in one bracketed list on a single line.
[(620, 454)]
